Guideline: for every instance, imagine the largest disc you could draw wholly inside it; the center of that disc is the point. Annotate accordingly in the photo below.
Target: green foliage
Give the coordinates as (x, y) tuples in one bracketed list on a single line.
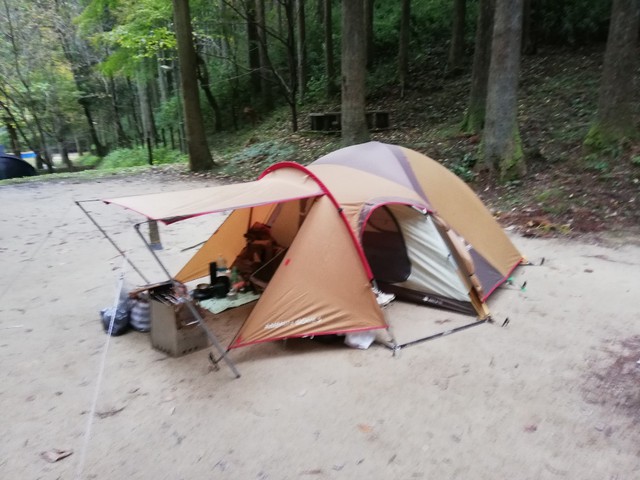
[(554, 200), (596, 163), (252, 160), (572, 21), (136, 157), (464, 167), (635, 161), (88, 160), (430, 25), (609, 139), (602, 153), (167, 114), (128, 31)]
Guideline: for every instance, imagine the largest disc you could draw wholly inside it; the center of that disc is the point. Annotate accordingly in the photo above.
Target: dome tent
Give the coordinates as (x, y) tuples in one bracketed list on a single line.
[(367, 213)]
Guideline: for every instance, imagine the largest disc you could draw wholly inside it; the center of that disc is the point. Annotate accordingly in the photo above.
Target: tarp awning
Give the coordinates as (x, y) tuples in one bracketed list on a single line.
[(277, 187)]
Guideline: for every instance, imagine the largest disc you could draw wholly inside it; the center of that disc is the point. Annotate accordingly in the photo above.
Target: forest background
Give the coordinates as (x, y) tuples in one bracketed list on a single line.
[(533, 102)]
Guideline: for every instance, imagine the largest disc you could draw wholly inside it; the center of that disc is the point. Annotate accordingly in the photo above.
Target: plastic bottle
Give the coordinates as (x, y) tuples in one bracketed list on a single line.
[(234, 276), (221, 265)]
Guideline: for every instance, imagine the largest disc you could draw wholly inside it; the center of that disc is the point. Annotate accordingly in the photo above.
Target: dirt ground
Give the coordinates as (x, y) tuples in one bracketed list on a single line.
[(553, 394)]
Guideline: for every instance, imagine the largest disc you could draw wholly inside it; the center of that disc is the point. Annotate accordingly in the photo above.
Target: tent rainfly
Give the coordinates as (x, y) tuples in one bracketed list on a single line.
[(367, 213)]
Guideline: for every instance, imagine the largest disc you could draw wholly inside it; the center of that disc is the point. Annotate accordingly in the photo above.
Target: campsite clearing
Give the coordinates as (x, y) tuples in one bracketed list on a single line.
[(554, 394)]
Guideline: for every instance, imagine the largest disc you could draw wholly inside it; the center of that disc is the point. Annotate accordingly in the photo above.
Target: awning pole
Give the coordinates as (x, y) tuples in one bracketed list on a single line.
[(150, 248), (120, 251), (189, 303)]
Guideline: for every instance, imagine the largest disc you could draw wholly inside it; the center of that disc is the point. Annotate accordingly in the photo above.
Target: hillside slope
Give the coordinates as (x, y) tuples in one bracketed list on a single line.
[(568, 189)]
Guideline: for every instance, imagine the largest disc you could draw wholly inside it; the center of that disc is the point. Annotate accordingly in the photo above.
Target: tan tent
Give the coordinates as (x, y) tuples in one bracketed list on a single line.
[(368, 213)]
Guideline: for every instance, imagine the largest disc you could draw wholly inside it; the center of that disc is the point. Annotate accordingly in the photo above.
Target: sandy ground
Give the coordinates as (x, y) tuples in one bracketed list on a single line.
[(554, 394)]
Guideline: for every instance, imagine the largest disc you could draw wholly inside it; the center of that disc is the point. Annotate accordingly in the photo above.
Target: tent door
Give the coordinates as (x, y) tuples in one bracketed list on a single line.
[(385, 248)]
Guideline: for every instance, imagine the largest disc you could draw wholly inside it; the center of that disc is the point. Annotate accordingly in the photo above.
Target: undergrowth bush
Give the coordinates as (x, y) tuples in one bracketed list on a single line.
[(255, 158), (136, 157), (88, 160)]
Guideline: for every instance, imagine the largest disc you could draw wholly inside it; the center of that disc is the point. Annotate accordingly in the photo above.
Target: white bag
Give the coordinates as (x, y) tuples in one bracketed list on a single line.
[(360, 340)]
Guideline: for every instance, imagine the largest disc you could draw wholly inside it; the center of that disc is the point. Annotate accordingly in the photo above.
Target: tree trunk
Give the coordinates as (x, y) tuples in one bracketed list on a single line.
[(163, 85), (330, 70), (12, 119), (302, 49), (529, 22), (368, 18), (198, 150), (291, 61), (13, 136), (403, 46), (254, 53), (266, 77), (100, 149), (354, 63), (145, 113), (456, 49), (224, 39), (134, 112), (205, 85), (473, 121), (614, 119), (501, 148), (80, 70), (64, 154), (121, 136)]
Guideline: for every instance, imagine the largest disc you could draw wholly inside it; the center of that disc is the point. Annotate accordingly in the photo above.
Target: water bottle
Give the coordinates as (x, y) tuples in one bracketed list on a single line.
[(221, 264)]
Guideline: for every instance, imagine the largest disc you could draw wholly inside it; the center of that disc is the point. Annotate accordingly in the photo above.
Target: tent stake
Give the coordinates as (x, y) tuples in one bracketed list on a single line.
[(190, 306)]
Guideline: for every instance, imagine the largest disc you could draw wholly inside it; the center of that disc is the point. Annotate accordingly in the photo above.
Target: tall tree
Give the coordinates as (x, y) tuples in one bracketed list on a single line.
[(145, 113), (77, 53), (368, 19), (197, 148), (253, 41), (456, 48), (22, 93), (354, 63), (473, 121), (330, 71), (13, 135), (266, 77), (403, 48), (121, 137), (614, 119), (302, 49), (529, 26), (501, 147), (205, 85)]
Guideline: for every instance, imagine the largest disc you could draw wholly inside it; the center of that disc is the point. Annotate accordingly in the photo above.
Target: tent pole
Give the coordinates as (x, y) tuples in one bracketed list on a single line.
[(190, 305), (212, 337), (442, 334), (120, 251), (150, 248)]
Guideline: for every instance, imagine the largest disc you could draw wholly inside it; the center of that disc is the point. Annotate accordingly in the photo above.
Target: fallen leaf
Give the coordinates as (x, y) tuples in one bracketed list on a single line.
[(54, 455), (109, 413)]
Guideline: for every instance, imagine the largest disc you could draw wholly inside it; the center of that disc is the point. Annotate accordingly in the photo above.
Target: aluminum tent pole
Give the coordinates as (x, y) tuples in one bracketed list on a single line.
[(443, 334), (189, 303), (120, 251)]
